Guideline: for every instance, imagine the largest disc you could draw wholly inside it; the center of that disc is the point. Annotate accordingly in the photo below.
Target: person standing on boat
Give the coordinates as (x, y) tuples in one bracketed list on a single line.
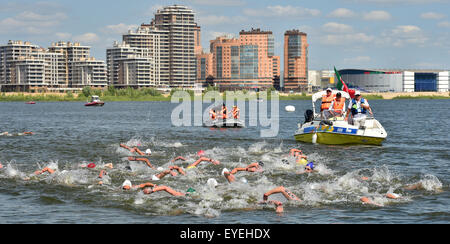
[(236, 112), (337, 106), (358, 107), (326, 102), (224, 112)]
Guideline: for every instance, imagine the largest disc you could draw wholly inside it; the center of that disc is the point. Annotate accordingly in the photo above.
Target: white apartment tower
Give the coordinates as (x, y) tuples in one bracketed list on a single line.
[(178, 61), (136, 61)]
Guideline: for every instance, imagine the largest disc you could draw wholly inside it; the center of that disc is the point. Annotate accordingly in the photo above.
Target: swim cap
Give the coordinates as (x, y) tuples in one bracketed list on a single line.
[(201, 153), (302, 161), (154, 177), (190, 190), (160, 169), (225, 170), (261, 163), (311, 165), (190, 167), (126, 183), (148, 151), (91, 165)]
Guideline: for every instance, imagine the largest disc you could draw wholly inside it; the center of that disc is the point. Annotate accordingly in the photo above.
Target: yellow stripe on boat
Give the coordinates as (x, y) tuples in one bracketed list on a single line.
[(339, 139)]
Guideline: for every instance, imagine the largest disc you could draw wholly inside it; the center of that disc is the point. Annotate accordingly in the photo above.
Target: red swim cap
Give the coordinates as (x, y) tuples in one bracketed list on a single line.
[(91, 165), (201, 153)]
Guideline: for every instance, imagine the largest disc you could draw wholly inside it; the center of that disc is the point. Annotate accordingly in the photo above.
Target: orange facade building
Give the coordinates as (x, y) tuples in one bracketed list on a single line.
[(295, 60), (247, 62)]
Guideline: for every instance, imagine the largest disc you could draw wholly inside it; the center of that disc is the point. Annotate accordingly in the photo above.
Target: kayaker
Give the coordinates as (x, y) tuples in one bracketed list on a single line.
[(358, 108)]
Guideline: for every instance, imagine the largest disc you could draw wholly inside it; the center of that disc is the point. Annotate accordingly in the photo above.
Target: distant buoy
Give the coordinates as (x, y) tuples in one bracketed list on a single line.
[(290, 108)]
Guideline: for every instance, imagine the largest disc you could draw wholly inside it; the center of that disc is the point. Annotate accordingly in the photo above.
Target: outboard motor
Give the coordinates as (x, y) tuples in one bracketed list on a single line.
[(309, 116)]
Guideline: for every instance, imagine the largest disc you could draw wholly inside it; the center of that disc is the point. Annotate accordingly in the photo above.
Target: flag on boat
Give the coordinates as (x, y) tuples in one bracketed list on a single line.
[(342, 86)]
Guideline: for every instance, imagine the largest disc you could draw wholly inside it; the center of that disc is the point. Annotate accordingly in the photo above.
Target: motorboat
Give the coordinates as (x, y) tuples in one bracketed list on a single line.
[(95, 101), (30, 102), (336, 130), (225, 123)]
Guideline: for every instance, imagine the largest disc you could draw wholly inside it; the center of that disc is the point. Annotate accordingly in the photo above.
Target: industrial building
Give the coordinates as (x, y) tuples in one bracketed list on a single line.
[(396, 80)]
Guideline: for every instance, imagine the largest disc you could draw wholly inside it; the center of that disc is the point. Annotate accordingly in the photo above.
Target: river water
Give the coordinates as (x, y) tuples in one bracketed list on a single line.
[(68, 135)]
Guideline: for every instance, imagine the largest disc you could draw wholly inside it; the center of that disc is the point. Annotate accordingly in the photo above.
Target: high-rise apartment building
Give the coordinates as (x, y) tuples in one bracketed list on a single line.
[(204, 68), (295, 60), (136, 61), (24, 66), (245, 62), (178, 61)]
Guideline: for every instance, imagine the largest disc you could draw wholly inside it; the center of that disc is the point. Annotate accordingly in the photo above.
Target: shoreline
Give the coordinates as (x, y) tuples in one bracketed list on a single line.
[(64, 97)]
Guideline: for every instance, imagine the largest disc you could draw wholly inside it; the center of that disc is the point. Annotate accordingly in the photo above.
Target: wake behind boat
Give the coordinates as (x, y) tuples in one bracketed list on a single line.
[(336, 130)]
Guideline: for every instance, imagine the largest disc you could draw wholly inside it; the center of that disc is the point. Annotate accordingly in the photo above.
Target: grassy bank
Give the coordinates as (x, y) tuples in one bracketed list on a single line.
[(148, 94)]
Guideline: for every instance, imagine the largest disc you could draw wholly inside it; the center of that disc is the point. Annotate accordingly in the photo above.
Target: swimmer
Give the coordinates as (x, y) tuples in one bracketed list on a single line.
[(254, 167), (4, 133), (162, 174), (287, 194), (128, 186), (366, 200), (46, 169), (180, 170), (126, 147), (102, 174), (278, 205), (153, 189), (178, 158), (142, 160), (1, 166), (108, 165), (215, 162), (139, 151), (309, 168)]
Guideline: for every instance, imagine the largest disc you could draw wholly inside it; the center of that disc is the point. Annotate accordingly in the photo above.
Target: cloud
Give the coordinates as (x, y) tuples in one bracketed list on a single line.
[(357, 60), (346, 39), (87, 38), (377, 15), (63, 36), (214, 34), (29, 22), (225, 3), (432, 15), (399, 1), (118, 29), (218, 20), (342, 13), (403, 35), (282, 11), (445, 24), (334, 27)]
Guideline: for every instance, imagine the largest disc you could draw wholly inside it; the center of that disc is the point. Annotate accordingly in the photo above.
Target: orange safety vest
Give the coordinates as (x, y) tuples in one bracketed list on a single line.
[(339, 105), (326, 101), (235, 113), (213, 115)]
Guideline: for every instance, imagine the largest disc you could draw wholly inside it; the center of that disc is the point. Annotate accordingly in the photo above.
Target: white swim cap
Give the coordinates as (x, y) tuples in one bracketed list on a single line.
[(160, 169), (243, 180), (126, 183), (212, 183), (225, 170), (148, 151), (154, 177)]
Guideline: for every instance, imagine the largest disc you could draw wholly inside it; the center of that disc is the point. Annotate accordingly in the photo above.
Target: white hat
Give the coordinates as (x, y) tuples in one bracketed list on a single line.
[(225, 170), (126, 183), (148, 151), (357, 93), (329, 89)]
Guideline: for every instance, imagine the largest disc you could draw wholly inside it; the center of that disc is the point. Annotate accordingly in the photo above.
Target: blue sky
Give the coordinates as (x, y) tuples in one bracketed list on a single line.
[(343, 33)]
